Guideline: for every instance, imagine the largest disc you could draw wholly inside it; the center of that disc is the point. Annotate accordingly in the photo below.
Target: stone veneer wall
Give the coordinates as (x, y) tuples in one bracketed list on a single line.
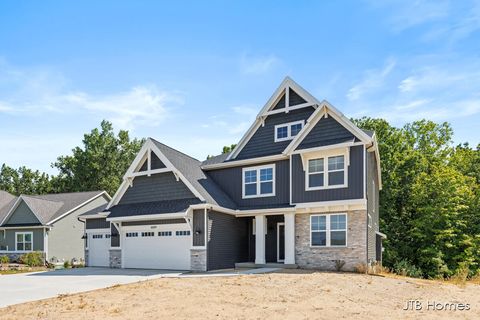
[(86, 257), (115, 258), (198, 259), (324, 258)]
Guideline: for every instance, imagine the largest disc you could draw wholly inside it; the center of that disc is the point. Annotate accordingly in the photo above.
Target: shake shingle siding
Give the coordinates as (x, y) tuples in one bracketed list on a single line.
[(227, 241), (157, 187), (230, 180), (262, 143), (355, 181), (326, 131)]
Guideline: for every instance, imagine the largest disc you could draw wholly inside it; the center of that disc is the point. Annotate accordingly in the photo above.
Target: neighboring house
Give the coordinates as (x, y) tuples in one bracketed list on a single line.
[(300, 188), (47, 223)]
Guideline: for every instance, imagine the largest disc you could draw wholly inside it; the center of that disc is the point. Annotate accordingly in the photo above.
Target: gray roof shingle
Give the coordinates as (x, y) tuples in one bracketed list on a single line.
[(51, 206), (7, 201), (190, 168), (156, 207)]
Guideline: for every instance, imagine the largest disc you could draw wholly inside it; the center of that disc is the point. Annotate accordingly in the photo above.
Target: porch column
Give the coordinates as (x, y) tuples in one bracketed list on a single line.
[(289, 238), (260, 225)]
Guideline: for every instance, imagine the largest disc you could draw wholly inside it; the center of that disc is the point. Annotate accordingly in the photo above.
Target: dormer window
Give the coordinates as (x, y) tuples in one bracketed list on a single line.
[(287, 131)]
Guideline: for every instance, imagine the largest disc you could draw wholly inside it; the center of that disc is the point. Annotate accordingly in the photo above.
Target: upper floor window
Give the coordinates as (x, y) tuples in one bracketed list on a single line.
[(258, 181), (287, 131), (326, 172)]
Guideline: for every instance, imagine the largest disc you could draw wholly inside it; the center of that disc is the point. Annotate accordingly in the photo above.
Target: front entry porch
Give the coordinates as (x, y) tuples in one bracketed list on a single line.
[(276, 248)]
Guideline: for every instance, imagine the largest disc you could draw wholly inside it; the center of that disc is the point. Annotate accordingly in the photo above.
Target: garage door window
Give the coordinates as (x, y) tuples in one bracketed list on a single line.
[(97, 236), (148, 234), (182, 233), (165, 234), (132, 234)]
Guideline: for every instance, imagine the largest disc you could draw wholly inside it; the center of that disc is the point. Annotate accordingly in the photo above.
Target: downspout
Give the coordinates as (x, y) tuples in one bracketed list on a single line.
[(366, 198)]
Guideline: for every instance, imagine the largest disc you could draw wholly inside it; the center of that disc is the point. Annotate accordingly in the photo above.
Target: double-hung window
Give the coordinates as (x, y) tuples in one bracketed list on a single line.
[(258, 181), (23, 241), (329, 230), (326, 172), (287, 131)]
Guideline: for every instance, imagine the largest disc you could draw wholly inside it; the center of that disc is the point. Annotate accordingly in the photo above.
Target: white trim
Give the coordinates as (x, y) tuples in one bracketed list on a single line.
[(25, 227), (325, 155), (79, 206), (149, 217), (278, 241), (326, 109), (329, 147), (328, 230), (264, 212), (239, 163), (383, 235), (369, 220), (289, 130), (150, 146), (364, 173), (102, 214), (281, 89), (258, 182), (374, 148), (295, 107), (150, 172), (31, 241)]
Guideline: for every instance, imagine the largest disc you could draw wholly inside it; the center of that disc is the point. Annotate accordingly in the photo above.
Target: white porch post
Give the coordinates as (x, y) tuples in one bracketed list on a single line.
[(289, 238), (260, 239)]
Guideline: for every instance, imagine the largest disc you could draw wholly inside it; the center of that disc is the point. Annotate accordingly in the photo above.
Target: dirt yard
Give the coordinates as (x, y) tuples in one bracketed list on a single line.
[(282, 295)]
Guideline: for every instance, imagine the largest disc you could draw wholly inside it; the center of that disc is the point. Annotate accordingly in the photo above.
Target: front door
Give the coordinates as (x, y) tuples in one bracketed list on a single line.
[(280, 241)]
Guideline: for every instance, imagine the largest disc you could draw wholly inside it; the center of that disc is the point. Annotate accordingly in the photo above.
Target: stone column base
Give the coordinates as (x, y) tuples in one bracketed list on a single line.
[(198, 260), (115, 258)]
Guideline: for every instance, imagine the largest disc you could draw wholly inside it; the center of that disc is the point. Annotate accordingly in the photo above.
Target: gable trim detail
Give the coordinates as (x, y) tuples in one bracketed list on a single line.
[(144, 153), (282, 89), (15, 206)]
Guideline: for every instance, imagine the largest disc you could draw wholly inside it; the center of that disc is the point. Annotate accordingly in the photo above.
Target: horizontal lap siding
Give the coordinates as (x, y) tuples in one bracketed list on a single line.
[(355, 181), (230, 181), (157, 187), (326, 131), (227, 241), (262, 143)]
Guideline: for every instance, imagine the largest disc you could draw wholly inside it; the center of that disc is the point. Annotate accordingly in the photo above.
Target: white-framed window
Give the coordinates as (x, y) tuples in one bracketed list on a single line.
[(258, 181), (327, 172), (24, 241), (287, 131), (328, 230)]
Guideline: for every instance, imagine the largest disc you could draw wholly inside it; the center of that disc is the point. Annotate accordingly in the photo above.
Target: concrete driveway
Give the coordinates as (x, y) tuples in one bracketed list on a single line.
[(26, 287)]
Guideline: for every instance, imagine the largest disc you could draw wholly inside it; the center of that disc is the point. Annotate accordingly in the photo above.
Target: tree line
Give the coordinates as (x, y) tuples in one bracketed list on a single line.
[(429, 204)]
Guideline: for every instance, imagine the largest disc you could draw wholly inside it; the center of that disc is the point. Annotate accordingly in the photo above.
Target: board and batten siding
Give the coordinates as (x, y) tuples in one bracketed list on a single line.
[(230, 181), (157, 187), (227, 241), (293, 100), (372, 206), (327, 131), (22, 215), (262, 143), (355, 181), (198, 228)]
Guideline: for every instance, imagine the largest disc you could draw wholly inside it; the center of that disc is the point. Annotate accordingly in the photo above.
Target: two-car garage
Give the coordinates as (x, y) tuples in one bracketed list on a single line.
[(158, 245)]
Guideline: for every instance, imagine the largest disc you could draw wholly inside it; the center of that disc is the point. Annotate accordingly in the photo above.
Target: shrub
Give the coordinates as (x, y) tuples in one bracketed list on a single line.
[(32, 259), (405, 268), (66, 264), (461, 274), (361, 267), (4, 260), (339, 264)]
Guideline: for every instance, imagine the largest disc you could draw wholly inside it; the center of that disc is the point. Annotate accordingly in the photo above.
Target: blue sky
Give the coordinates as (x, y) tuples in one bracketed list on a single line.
[(194, 74)]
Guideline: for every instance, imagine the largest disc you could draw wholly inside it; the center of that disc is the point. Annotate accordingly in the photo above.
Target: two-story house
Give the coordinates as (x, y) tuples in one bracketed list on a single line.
[(300, 188)]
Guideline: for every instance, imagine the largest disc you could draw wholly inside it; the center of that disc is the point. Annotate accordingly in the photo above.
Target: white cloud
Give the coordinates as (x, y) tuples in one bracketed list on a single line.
[(258, 65), (36, 92), (372, 80)]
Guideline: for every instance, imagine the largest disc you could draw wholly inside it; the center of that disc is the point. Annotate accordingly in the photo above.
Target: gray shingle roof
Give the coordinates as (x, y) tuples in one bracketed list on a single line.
[(190, 168), (156, 207), (51, 206), (216, 159), (368, 132), (7, 201)]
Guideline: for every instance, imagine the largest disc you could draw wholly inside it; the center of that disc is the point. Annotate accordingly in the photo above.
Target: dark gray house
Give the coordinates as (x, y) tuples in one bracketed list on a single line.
[(46, 223), (300, 188)]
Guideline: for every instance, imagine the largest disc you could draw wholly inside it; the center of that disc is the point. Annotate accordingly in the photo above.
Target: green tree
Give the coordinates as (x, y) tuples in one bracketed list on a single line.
[(24, 181), (227, 149), (99, 164)]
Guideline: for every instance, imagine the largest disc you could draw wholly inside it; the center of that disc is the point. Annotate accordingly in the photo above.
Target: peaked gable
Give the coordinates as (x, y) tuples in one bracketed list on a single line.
[(326, 131), (156, 163), (22, 215)]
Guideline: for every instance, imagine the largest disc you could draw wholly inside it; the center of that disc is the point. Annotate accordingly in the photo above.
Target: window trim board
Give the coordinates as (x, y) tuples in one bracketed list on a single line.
[(345, 152), (289, 130), (258, 182), (24, 233), (328, 230)]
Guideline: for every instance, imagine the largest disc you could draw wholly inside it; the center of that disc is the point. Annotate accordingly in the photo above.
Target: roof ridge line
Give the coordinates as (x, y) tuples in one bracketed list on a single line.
[(181, 152)]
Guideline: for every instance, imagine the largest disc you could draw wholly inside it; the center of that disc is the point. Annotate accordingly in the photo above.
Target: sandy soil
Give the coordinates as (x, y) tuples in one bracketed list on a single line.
[(283, 295)]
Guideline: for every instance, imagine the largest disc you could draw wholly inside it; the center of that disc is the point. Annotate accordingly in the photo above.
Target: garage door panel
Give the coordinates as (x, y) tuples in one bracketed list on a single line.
[(157, 247), (98, 246)]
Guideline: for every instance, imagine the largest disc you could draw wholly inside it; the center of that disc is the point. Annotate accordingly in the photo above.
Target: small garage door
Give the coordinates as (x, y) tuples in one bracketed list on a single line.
[(164, 246), (98, 245)]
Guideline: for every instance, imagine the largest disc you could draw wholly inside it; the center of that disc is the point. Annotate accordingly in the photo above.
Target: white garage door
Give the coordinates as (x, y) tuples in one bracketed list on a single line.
[(98, 245), (164, 246)]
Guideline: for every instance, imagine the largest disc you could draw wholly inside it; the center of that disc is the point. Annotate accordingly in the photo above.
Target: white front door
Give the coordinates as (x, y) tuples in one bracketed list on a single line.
[(98, 243), (165, 246)]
